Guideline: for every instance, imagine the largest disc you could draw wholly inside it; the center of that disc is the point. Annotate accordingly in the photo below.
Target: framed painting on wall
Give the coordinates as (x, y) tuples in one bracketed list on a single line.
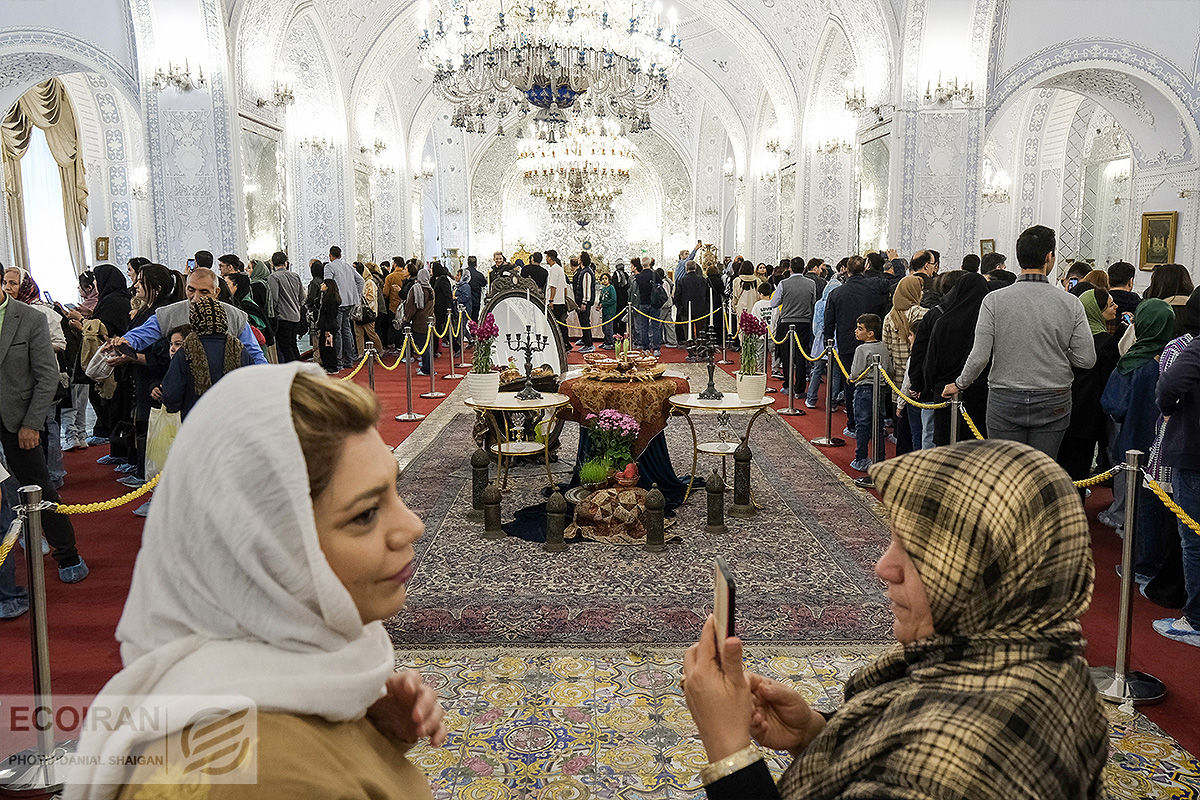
[(987, 246), (1158, 238), (101, 249)]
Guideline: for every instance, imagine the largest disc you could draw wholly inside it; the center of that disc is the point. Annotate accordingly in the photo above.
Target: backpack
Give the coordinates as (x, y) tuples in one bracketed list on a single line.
[(658, 295)]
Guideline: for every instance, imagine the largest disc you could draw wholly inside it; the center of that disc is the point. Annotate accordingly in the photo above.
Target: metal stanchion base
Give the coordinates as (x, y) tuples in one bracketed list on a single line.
[(791, 412), (830, 442), (771, 390), (411, 416), (724, 362), (464, 366), (864, 483), (23, 774), (433, 395), (453, 376), (1138, 688)]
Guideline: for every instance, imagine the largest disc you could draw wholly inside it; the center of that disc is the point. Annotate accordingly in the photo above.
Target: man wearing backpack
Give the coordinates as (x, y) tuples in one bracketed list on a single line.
[(585, 297)]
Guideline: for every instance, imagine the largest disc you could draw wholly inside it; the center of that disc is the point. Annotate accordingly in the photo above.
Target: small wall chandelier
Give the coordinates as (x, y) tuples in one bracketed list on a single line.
[(178, 77), (949, 91), (548, 54)]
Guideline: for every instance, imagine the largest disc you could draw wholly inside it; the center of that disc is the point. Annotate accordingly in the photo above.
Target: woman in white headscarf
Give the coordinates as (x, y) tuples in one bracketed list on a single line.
[(261, 585)]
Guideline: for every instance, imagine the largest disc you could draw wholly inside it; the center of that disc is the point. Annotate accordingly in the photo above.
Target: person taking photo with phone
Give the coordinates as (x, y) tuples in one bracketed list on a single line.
[(985, 696)]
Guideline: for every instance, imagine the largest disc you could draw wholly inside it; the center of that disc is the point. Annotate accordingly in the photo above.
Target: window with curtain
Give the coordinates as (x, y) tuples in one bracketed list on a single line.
[(49, 255)]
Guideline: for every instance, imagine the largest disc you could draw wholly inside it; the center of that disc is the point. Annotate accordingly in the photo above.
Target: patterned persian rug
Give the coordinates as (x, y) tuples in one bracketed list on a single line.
[(570, 724), (803, 565)]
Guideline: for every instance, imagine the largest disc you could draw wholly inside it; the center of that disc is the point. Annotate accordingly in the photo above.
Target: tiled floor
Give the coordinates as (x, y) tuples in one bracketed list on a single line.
[(579, 723)]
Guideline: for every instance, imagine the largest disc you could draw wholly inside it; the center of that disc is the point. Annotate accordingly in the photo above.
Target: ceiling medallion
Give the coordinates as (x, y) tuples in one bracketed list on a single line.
[(615, 59)]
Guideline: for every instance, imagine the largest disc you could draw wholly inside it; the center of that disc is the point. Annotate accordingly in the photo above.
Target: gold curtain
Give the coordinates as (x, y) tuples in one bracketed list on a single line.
[(48, 107)]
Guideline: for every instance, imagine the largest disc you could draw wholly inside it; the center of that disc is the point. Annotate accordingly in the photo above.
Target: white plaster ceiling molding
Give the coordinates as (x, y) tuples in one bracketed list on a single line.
[(1106, 85), (32, 55)]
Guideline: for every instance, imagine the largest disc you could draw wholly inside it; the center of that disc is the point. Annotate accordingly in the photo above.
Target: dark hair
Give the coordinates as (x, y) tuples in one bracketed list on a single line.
[(87, 278), (813, 263), (233, 261), (785, 265), (398, 261), (159, 282), (553, 254), (317, 268), (359, 267), (921, 260), (536, 258), (1169, 280), (947, 281), (203, 259), (841, 264), (875, 261), (970, 263), (278, 258), (182, 330), (765, 288), (335, 252), (636, 263), (472, 261), (1101, 296), (1079, 269), (1191, 314), (873, 323), (855, 265), (747, 268), (1033, 245), (937, 257), (990, 262), (585, 258), (242, 281), (437, 270), (1120, 273), (798, 266), (137, 262)]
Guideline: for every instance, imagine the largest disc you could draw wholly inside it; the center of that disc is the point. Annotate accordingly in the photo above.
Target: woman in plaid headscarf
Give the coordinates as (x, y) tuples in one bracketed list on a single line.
[(987, 695)]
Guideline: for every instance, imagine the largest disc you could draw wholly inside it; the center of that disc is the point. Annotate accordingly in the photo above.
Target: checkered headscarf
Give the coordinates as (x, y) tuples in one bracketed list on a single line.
[(998, 703)]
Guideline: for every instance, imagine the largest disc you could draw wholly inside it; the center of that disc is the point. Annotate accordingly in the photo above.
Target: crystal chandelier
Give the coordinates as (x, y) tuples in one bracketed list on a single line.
[(580, 175), (549, 54)]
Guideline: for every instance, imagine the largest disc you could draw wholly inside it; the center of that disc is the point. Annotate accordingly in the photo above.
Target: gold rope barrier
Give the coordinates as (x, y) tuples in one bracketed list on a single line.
[(710, 314), (592, 327), (908, 400), (1095, 479), (9, 543), (356, 369), (1172, 505), (428, 339), (846, 372), (92, 508), (970, 423), (800, 347), (399, 358)]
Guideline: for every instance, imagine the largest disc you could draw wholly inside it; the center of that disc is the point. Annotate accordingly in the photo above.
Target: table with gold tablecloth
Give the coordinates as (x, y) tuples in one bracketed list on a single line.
[(647, 402)]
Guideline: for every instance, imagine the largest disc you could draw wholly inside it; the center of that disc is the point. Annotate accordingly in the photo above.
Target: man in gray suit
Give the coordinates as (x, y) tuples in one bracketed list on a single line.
[(28, 379)]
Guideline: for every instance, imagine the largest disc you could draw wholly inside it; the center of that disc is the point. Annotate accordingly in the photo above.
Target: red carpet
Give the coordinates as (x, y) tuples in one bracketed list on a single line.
[(83, 618)]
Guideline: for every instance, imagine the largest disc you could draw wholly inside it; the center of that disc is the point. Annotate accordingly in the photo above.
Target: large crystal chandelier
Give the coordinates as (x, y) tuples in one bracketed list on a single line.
[(619, 57), (581, 174)]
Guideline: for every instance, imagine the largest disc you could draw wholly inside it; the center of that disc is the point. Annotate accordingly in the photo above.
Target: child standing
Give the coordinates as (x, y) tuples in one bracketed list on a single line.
[(869, 331), (608, 309)]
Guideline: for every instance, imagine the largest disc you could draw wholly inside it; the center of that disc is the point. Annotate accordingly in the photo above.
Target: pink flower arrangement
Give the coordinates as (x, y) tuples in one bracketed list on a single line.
[(752, 329), (613, 435), (484, 333)]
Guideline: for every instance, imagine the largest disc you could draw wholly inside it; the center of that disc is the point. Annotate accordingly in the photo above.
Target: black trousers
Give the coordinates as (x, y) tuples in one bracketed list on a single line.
[(585, 321), (29, 468), (799, 376), (285, 341)]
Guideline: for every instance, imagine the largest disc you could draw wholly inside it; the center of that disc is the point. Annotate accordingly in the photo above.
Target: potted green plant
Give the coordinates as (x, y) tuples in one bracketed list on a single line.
[(612, 436), (483, 381), (594, 474), (751, 380)]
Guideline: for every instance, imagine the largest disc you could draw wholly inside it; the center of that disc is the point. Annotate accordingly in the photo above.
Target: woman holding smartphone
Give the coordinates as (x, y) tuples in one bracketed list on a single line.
[(986, 695)]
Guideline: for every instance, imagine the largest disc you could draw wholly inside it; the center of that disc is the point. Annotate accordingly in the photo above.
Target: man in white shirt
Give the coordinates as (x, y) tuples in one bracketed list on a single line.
[(556, 287)]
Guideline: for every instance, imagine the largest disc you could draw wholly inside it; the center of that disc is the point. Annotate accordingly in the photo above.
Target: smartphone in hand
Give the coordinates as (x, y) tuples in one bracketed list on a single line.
[(724, 601)]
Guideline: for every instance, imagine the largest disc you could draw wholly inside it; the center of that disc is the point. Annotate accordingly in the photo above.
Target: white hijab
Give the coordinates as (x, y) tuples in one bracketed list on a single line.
[(231, 593)]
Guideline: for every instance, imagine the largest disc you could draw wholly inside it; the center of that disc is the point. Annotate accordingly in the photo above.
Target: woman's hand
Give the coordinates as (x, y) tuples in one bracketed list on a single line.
[(782, 720), (717, 693), (410, 710)]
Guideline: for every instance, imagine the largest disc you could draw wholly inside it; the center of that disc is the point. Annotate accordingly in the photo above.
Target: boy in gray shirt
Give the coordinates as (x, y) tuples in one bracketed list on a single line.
[(869, 331)]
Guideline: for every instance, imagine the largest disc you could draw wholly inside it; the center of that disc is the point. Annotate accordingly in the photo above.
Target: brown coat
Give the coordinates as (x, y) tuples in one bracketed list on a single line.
[(304, 756)]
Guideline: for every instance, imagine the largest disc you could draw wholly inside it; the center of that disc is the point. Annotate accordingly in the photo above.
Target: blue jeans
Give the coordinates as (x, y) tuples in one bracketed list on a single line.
[(54, 455), (347, 353), (926, 428), (814, 380), (648, 331), (916, 426), (9, 589), (864, 426), (1186, 483), (1036, 417)]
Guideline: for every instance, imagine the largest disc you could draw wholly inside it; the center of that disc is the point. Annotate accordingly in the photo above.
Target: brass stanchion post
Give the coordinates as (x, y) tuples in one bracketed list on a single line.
[(1119, 684), (410, 350), (433, 393), (829, 440)]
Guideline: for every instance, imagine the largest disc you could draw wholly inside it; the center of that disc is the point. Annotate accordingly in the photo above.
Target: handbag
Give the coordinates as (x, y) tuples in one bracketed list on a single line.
[(163, 427)]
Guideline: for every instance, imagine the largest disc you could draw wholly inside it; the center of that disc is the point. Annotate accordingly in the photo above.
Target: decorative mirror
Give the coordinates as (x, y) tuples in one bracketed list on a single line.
[(513, 310)]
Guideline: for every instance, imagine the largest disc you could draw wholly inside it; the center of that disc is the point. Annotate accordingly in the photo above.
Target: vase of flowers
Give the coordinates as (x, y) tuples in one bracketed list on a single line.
[(612, 435), (483, 381), (751, 379)]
